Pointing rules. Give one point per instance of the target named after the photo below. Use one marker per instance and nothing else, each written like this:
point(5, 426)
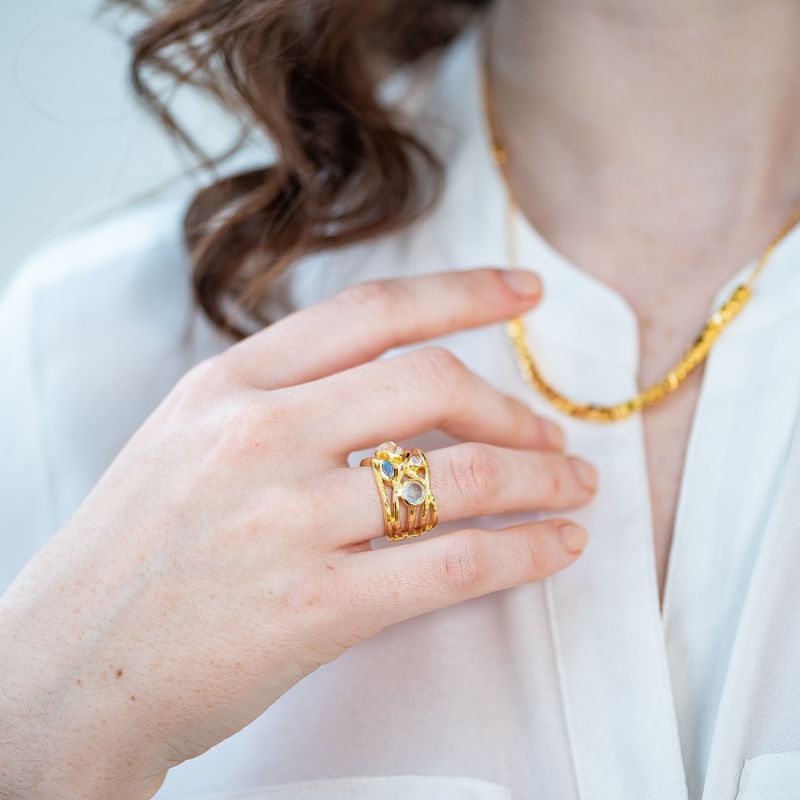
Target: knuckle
point(246, 429)
point(465, 563)
point(475, 475)
point(387, 301)
point(204, 382)
point(264, 421)
point(553, 479)
point(554, 482)
point(204, 373)
point(233, 427)
point(441, 371)
point(377, 293)
point(533, 559)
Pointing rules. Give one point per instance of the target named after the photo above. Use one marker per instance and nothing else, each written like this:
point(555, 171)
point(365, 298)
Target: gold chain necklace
point(696, 352)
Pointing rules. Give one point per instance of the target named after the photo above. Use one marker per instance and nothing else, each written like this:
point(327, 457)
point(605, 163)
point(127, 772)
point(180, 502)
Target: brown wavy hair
point(305, 73)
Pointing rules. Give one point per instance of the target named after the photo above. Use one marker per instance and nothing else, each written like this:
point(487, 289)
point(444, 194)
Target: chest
point(666, 430)
point(667, 317)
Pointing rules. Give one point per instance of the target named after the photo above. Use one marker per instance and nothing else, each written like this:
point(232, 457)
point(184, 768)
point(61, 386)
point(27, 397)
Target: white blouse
point(573, 687)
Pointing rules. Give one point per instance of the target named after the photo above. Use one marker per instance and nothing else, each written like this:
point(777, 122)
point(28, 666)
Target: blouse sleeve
point(25, 502)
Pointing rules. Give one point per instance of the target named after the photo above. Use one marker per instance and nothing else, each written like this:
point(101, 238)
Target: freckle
point(78, 682)
point(102, 722)
point(238, 665)
point(119, 673)
point(133, 697)
point(330, 567)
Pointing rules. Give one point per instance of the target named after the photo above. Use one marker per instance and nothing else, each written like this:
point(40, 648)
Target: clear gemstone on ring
point(391, 449)
point(413, 492)
point(416, 461)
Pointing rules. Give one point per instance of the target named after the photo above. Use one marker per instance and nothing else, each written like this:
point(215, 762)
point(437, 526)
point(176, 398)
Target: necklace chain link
point(695, 354)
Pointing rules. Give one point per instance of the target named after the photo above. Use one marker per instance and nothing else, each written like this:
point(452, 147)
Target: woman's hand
point(225, 554)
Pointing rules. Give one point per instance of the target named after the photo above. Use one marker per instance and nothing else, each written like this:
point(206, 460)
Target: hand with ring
point(226, 553)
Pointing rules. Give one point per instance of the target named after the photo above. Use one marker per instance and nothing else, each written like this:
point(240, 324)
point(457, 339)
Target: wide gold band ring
point(404, 482)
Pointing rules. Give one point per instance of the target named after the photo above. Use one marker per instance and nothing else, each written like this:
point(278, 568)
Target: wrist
point(55, 750)
point(27, 774)
point(65, 737)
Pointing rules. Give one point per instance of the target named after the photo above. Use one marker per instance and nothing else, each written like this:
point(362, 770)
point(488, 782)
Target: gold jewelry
point(695, 354)
point(403, 475)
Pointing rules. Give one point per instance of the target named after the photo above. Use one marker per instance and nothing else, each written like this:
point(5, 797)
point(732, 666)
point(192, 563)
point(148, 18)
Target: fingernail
point(522, 282)
point(553, 434)
point(573, 537)
point(585, 473)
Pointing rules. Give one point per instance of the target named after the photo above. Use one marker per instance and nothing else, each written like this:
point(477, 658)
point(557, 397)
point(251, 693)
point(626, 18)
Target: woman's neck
point(667, 116)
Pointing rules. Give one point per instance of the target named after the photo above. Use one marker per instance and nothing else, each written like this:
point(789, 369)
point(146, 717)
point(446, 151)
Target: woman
point(631, 162)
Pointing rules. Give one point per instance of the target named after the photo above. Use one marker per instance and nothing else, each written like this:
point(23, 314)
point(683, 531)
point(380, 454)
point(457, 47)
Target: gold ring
point(403, 476)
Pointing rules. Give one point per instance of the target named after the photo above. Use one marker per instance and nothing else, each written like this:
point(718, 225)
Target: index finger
point(362, 321)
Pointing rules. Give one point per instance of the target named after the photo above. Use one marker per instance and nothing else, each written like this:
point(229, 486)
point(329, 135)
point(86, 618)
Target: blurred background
point(74, 145)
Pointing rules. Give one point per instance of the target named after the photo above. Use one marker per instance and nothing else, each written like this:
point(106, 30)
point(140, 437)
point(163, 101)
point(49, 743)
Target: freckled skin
point(239, 531)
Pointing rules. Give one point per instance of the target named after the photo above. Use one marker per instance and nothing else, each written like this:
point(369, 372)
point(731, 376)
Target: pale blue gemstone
point(413, 492)
point(387, 468)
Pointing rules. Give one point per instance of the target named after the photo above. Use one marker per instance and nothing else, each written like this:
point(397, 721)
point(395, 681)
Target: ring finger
point(470, 480)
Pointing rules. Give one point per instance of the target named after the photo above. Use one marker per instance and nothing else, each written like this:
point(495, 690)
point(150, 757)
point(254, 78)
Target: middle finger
point(409, 394)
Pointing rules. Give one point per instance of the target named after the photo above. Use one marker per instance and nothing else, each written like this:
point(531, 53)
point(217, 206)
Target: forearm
point(64, 731)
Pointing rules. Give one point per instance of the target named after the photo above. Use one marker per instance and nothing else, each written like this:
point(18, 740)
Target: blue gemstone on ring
point(387, 468)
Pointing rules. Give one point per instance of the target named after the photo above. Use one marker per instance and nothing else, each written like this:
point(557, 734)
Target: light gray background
point(73, 143)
